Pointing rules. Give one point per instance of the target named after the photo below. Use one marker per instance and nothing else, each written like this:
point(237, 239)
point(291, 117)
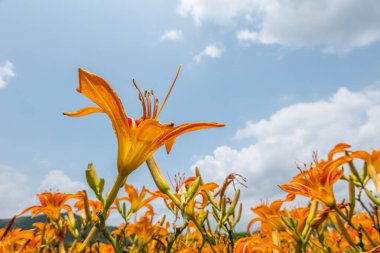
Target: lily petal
point(100, 92)
point(84, 111)
point(188, 127)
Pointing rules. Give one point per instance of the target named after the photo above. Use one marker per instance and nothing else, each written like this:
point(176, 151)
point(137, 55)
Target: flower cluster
point(324, 224)
point(200, 216)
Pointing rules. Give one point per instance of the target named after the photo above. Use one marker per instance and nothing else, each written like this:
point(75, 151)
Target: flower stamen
point(147, 97)
point(170, 90)
point(155, 107)
point(141, 98)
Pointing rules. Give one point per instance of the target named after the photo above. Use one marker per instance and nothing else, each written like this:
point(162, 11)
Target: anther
point(141, 98)
point(147, 97)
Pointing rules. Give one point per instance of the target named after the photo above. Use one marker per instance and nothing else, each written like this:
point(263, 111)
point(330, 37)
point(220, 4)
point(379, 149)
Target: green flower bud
point(193, 189)
point(158, 178)
point(92, 178)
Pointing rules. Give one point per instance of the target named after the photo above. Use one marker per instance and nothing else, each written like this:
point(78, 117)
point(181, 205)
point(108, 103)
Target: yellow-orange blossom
point(137, 139)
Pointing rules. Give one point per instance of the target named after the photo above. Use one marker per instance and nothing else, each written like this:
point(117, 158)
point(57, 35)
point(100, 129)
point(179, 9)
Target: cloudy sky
point(286, 77)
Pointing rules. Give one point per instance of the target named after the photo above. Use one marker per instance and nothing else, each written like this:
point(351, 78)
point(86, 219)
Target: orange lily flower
point(137, 200)
point(14, 240)
point(95, 248)
point(297, 216)
point(270, 215)
point(371, 236)
point(95, 206)
point(317, 182)
point(137, 139)
point(45, 230)
point(373, 163)
point(145, 231)
point(51, 205)
point(255, 244)
point(181, 191)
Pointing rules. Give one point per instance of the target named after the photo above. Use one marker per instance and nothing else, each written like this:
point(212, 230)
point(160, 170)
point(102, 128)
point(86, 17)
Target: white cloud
point(290, 135)
point(220, 11)
point(6, 73)
point(56, 180)
point(14, 191)
point(337, 25)
point(246, 35)
point(212, 51)
point(172, 35)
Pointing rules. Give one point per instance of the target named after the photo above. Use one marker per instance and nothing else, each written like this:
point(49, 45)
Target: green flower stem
point(342, 228)
point(339, 214)
point(112, 194)
point(72, 245)
point(109, 237)
point(203, 233)
point(87, 240)
point(119, 182)
point(312, 213)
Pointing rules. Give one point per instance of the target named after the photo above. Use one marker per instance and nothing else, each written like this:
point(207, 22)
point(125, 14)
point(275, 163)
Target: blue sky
point(287, 78)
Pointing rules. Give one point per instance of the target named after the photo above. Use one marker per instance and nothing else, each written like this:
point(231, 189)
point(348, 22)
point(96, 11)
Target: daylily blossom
point(144, 231)
point(94, 206)
point(373, 164)
point(51, 205)
point(137, 200)
point(14, 240)
point(317, 182)
point(255, 244)
point(270, 214)
point(181, 191)
point(139, 138)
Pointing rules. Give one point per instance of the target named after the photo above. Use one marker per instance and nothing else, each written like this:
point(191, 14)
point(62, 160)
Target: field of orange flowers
point(205, 213)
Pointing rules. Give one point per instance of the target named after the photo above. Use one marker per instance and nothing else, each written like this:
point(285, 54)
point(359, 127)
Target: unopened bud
point(92, 178)
point(198, 174)
point(234, 202)
point(101, 185)
point(158, 178)
point(223, 207)
point(193, 189)
point(72, 224)
point(232, 207)
point(351, 192)
point(239, 213)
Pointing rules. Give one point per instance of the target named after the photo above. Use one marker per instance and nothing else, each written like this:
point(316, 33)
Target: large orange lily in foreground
point(137, 139)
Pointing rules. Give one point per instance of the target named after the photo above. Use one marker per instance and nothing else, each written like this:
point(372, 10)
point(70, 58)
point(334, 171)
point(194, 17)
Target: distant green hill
point(26, 222)
point(23, 222)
